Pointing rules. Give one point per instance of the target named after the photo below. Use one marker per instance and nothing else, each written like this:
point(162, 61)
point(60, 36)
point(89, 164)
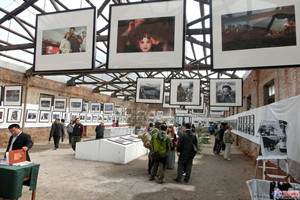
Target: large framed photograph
point(14, 115)
point(166, 103)
point(12, 96)
point(76, 104)
point(226, 92)
point(64, 44)
point(150, 90)
point(31, 116)
point(108, 108)
point(250, 34)
point(185, 92)
point(45, 116)
point(201, 106)
point(2, 113)
point(60, 104)
point(45, 103)
point(140, 32)
point(95, 107)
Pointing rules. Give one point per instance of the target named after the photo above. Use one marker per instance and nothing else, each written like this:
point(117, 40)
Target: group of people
point(72, 43)
point(162, 151)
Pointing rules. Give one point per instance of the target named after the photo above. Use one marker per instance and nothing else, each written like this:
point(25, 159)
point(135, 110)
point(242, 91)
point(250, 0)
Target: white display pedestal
point(109, 151)
point(118, 131)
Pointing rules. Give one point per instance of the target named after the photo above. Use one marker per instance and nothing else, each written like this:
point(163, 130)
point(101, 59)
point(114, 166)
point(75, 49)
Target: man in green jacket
point(161, 144)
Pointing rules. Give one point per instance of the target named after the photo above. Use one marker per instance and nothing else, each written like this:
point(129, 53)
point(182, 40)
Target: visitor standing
point(228, 140)
point(56, 131)
point(171, 156)
point(100, 131)
point(70, 130)
point(62, 121)
point(78, 132)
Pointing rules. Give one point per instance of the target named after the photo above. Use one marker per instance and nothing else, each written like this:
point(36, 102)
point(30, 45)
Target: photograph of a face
point(108, 107)
point(64, 40)
point(76, 104)
point(31, 116)
point(60, 104)
point(95, 107)
point(271, 27)
point(2, 112)
point(12, 95)
point(149, 90)
point(146, 35)
point(225, 92)
point(139, 32)
point(14, 115)
point(185, 92)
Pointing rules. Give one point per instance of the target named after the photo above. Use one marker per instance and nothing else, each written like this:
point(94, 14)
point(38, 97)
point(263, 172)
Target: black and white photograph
point(109, 118)
point(45, 116)
point(150, 90)
point(60, 104)
point(74, 116)
point(105, 118)
point(273, 137)
point(14, 115)
point(31, 116)
point(76, 104)
point(66, 117)
point(94, 118)
point(226, 92)
point(137, 34)
point(12, 96)
point(219, 108)
point(2, 113)
point(88, 118)
point(261, 29)
point(45, 103)
point(85, 107)
point(166, 102)
point(95, 107)
point(56, 115)
point(118, 111)
point(108, 107)
point(185, 92)
point(100, 118)
point(200, 107)
point(181, 110)
point(82, 117)
point(64, 44)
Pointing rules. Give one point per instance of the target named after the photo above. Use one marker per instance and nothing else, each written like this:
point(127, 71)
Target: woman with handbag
point(171, 156)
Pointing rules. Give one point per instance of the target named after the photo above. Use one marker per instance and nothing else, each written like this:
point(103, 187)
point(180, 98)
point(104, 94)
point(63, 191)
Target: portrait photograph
point(261, 29)
point(185, 92)
point(31, 116)
point(166, 102)
point(225, 92)
point(76, 104)
point(45, 103)
point(56, 115)
point(85, 106)
point(2, 112)
point(95, 107)
point(12, 96)
point(150, 90)
point(14, 115)
point(60, 104)
point(108, 107)
point(64, 44)
point(44, 116)
point(142, 31)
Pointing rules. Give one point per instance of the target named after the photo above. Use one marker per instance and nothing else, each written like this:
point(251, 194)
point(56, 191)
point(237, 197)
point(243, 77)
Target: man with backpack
point(161, 145)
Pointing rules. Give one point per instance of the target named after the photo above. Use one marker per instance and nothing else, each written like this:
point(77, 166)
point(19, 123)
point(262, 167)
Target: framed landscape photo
point(226, 92)
point(60, 104)
point(2, 113)
point(140, 32)
point(149, 90)
point(85, 107)
point(108, 108)
point(76, 104)
point(14, 115)
point(185, 92)
point(31, 116)
point(65, 44)
point(56, 115)
point(95, 107)
point(45, 116)
point(12, 96)
point(166, 102)
point(45, 103)
point(251, 33)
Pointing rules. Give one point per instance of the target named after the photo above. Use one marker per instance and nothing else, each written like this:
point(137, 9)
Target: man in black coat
point(100, 131)
point(57, 131)
point(186, 150)
point(19, 140)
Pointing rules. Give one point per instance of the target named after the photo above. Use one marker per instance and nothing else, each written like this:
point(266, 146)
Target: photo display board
point(150, 90)
point(147, 35)
point(249, 34)
point(65, 41)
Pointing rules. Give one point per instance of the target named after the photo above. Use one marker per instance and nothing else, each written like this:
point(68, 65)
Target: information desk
point(13, 177)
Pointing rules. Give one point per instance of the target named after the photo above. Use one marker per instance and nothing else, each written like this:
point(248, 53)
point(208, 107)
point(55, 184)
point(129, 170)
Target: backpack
point(146, 138)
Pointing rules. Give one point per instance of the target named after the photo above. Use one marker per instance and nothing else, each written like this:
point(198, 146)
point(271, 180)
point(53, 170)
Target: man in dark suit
point(19, 140)
point(57, 130)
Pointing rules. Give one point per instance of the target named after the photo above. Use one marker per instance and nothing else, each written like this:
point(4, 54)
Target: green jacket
point(227, 137)
point(162, 147)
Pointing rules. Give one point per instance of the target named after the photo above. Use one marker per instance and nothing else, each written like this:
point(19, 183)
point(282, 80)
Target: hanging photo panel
point(32, 116)
point(60, 104)
point(45, 103)
point(185, 92)
point(219, 108)
point(108, 107)
point(166, 103)
point(2, 113)
point(247, 34)
point(76, 104)
point(14, 115)
point(150, 90)
point(63, 43)
point(197, 107)
point(226, 92)
point(12, 96)
point(95, 107)
point(56, 115)
point(147, 35)
point(85, 107)
point(45, 116)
